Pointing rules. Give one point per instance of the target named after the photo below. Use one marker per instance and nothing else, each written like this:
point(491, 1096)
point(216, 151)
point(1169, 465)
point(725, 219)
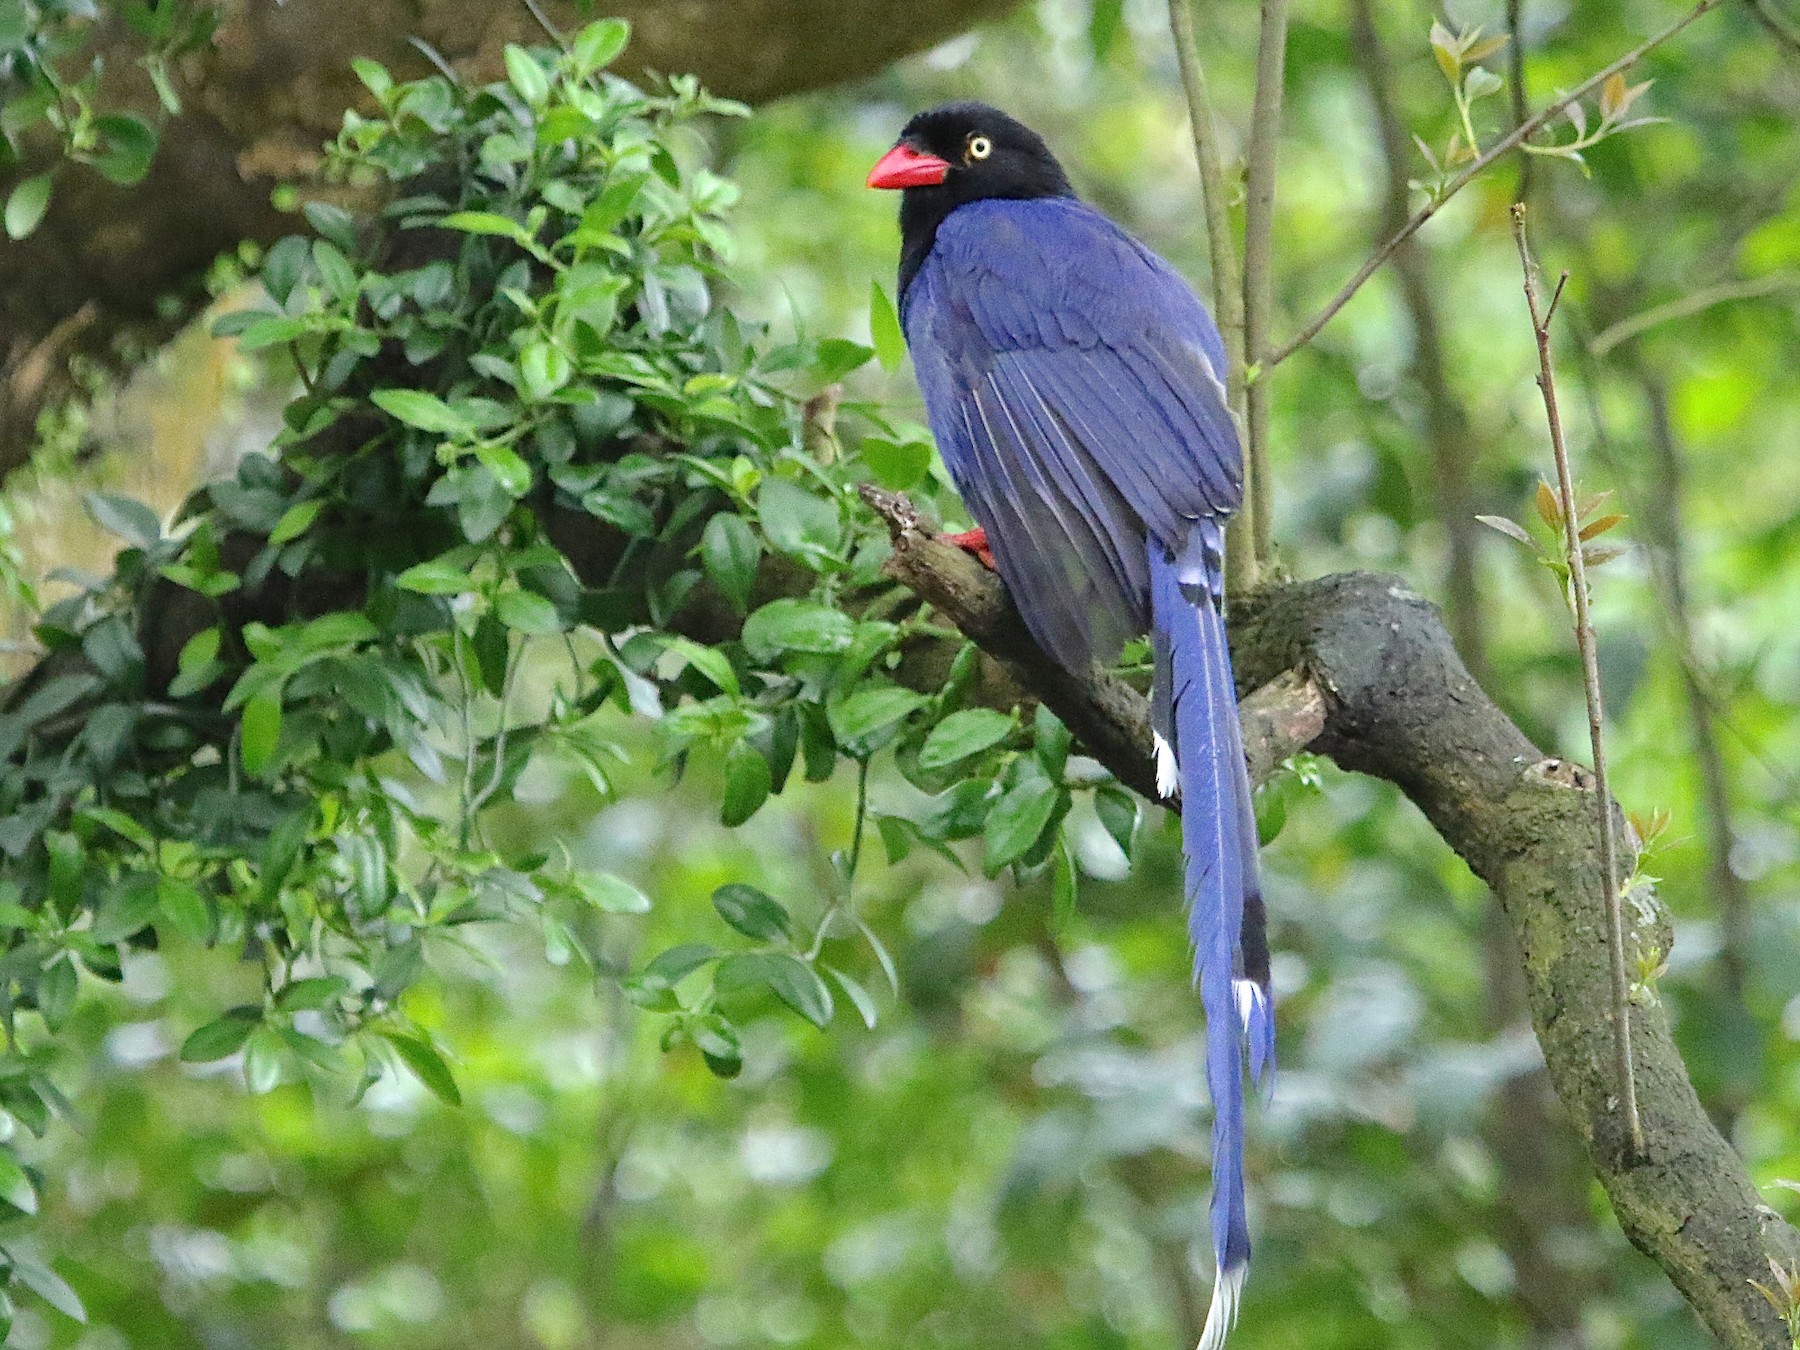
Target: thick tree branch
point(1400, 705)
point(275, 85)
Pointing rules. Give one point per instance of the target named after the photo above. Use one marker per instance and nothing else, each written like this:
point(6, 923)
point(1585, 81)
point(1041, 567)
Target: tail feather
point(1195, 711)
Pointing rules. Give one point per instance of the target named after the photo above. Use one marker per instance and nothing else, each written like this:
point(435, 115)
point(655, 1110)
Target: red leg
point(976, 542)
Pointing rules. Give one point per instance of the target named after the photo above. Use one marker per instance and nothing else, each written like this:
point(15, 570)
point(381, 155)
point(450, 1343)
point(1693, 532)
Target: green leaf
point(47, 1285)
point(747, 784)
point(296, 520)
point(15, 1185)
point(527, 76)
point(422, 1057)
point(718, 1043)
point(510, 472)
point(128, 907)
point(859, 996)
point(754, 913)
point(671, 967)
point(26, 204)
point(598, 45)
point(425, 411)
point(335, 270)
point(961, 812)
point(435, 577)
point(127, 145)
point(962, 735)
point(544, 368)
point(1064, 884)
point(374, 76)
point(487, 222)
point(528, 612)
point(709, 661)
point(1019, 817)
point(126, 517)
point(310, 995)
point(1271, 807)
point(263, 1055)
point(1480, 82)
point(68, 868)
point(897, 465)
point(221, 1037)
point(56, 991)
point(857, 720)
point(797, 522)
point(261, 731)
point(797, 626)
point(1118, 812)
point(884, 329)
point(119, 823)
point(838, 357)
point(185, 908)
point(611, 894)
point(731, 554)
point(897, 835)
point(791, 980)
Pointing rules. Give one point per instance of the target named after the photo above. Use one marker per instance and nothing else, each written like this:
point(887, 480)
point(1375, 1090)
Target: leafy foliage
point(528, 447)
point(40, 40)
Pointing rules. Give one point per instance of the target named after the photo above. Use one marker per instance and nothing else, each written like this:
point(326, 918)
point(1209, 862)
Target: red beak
point(905, 167)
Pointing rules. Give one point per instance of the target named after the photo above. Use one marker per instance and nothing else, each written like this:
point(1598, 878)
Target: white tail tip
point(1168, 775)
point(1221, 1317)
point(1250, 1001)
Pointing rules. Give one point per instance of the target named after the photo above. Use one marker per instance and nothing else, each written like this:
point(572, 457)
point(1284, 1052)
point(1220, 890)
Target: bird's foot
point(973, 541)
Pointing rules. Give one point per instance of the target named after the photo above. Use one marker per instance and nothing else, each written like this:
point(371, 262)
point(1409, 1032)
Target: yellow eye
point(980, 147)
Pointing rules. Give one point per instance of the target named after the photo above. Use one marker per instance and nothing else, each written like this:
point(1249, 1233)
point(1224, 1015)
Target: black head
point(960, 153)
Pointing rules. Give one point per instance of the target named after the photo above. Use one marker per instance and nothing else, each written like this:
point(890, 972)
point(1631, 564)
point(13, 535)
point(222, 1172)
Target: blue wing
point(1071, 379)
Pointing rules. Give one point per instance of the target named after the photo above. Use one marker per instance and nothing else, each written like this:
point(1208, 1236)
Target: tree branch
point(1399, 704)
point(1227, 275)
point(1585, 641)
point(1695, 302)
point(1449, 431)
point(1259, 266)
point(1505, 145)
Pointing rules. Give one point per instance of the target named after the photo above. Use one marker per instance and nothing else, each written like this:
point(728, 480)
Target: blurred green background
point(1015, 1155)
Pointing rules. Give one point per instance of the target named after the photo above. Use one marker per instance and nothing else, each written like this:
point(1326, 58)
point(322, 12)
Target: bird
point(1073, 383)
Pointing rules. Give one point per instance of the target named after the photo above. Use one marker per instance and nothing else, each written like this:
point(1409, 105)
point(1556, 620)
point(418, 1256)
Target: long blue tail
point(1200, 751)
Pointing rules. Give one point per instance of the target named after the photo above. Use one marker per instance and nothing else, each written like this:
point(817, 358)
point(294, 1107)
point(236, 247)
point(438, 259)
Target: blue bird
point(1074, 384)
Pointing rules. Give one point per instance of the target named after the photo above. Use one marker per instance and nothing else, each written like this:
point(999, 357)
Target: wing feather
point(1071, 380)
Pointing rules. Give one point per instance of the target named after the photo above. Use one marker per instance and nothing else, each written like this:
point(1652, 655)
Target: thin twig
point(1227, 275)
point(1505, 145)
point(543, 20)
point(1448, 426)
point(1259, 270)
point(1516, 92)
point(1660, 506)
point(1590, 671)
point(1778, 26)
point(1692, 303)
